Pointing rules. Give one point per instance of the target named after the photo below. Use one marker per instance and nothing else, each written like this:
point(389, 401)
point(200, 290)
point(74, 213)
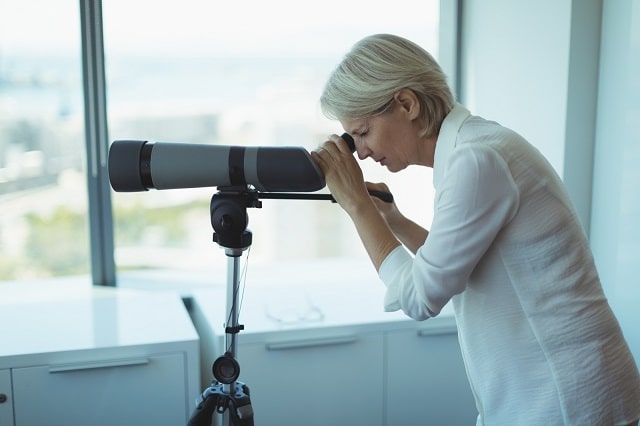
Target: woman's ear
point(408, 102)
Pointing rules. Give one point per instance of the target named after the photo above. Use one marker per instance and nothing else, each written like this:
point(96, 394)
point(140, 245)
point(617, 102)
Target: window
point(236, 74)
point(194, 71)
point(43, 231)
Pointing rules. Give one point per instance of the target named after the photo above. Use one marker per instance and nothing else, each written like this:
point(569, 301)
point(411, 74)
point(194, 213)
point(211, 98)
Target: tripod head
point(229, 212)
point(229, 217)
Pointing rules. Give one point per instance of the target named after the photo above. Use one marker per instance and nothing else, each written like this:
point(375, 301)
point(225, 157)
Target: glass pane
point(43, 224)
point(249, 74)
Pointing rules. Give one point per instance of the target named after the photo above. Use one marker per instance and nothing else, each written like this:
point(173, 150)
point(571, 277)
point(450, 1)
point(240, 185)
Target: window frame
point(103, 270)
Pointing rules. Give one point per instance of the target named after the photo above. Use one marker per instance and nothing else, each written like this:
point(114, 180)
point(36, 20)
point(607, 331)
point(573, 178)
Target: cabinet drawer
point(330, 379)
point(140, 391)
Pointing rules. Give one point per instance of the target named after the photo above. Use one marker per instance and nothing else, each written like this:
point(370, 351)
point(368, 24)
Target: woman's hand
point(342, 173)
point(389, 210)
point(408, 232)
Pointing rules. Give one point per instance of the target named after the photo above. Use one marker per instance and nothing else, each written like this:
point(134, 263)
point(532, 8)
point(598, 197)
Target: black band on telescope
point(145, 165)
point(236, 165)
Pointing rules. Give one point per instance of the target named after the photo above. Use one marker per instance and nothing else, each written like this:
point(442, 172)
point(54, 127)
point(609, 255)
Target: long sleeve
point(477, 197)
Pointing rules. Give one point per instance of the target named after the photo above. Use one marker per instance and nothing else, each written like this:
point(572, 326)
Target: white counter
point(44, 319)
point(303, 299)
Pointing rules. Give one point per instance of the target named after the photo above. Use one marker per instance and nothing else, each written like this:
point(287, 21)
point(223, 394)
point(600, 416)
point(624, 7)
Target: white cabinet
point(96, 356)
point(327, 354)
point(149, 390)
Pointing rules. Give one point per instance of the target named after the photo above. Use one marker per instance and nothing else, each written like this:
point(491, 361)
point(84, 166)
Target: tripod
point(227, 395)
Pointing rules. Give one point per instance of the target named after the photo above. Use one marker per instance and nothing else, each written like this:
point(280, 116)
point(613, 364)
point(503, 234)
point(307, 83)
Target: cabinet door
point(426, 380)
point(315, 381)
point(6, 401)
point(145, 391)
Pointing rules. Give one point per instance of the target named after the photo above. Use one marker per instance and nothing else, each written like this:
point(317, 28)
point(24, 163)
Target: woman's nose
point(362, 149)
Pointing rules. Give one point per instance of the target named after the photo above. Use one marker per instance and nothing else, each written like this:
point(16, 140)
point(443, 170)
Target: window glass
point(43, 223)
point(249, 74)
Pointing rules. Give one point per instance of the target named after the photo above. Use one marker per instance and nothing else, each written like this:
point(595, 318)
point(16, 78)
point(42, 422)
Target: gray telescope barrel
point(141, 165)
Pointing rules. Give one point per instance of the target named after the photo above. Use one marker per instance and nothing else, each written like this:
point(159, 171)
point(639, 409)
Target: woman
point(540, 342)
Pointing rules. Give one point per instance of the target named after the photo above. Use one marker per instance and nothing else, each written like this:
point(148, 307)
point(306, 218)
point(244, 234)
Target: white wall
point(515, 65)
point(564, 74)
point(615, 235)
point(532, 66)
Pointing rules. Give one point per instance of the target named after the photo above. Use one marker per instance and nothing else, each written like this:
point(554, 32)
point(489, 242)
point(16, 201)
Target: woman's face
point(388, 138)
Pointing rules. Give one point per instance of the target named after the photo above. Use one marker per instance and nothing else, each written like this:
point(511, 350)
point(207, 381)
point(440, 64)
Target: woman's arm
point(408, 232)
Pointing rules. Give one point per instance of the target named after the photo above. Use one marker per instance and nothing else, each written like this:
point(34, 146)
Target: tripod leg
point(240, 408)
point(203, 414)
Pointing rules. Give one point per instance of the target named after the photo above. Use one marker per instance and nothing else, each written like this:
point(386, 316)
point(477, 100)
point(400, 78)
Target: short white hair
point(375, 68)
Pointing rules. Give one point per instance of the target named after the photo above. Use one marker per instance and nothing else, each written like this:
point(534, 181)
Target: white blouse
point(540, 342)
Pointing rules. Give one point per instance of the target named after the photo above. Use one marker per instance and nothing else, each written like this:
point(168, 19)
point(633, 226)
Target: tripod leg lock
point(234, 330)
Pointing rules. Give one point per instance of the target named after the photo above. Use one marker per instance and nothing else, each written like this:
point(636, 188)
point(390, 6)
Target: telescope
point(141, 165)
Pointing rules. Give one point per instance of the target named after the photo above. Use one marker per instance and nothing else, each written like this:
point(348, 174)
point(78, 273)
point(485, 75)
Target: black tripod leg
point(203, 414)
point(240, 409)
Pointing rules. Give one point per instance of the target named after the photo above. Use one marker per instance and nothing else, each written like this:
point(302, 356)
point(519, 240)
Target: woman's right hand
point(407, 231)
point(388, 210)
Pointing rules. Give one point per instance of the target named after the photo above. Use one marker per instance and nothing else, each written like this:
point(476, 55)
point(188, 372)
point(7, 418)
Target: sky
point(232, 26)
